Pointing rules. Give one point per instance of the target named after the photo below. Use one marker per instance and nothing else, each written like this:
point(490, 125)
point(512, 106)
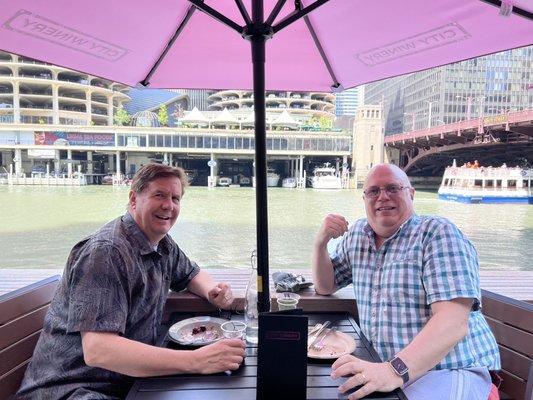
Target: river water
point(216, 227)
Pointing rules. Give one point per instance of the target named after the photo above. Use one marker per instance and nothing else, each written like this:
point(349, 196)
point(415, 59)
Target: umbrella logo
point(30, 24)
point(425, 41)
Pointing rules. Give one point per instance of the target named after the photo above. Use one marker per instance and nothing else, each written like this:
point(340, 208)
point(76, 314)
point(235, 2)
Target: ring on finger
point(364, 379)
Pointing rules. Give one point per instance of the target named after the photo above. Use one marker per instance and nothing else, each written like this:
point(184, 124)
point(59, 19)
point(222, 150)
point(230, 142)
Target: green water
point(216, 227)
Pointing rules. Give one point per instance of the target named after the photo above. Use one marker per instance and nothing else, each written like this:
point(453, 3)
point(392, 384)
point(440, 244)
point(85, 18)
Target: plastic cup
point(287, 301)
point(233, 330)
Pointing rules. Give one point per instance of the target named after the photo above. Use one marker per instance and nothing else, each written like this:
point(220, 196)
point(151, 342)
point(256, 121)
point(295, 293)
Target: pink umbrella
point(318, 45)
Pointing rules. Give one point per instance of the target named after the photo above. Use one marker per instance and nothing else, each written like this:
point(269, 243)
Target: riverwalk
point(515, 284)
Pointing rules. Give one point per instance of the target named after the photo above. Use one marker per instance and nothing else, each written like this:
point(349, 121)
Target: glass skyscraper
point(489, 85)
point(346, 102)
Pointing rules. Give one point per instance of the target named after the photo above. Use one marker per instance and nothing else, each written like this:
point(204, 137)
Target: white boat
point(244, 180)
point(289, 182)
point(487, 184)
point(224, 181)
point(272, 178)
point(326, 177)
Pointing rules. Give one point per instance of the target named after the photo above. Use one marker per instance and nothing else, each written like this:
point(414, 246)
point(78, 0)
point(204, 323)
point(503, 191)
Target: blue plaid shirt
point(427, 260)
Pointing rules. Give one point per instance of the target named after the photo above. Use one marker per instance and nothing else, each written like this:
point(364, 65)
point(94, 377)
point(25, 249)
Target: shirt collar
point(139, 238)
point(367, 229)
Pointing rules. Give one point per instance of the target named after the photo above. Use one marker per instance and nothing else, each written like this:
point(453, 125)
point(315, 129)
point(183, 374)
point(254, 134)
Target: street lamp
point(430, 103)
point(481, 100)
point(413, 115)
point(468, 105)
point(441, 122)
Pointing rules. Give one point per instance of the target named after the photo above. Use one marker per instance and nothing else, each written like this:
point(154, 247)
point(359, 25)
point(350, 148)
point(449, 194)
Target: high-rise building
point(346, 102)
point(489, 85)
point(32, 92)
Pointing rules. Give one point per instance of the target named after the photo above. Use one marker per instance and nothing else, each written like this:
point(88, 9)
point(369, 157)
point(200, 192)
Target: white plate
point(334, 346)
point(182, 332)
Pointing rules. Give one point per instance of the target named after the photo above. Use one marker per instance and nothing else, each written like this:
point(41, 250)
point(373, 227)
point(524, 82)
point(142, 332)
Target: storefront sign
point(74, 139)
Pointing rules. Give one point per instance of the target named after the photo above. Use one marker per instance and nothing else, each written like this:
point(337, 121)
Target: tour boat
point(326, 177)
point(487, 184)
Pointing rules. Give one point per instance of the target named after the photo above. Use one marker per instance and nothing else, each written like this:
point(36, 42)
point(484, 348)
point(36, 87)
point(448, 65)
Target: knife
point(326, 324)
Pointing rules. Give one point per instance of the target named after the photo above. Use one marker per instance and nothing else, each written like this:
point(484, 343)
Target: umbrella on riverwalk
point(305, 45)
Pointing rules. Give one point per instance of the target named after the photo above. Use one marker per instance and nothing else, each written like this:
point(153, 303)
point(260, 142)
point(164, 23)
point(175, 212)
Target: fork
point(319, 332)
point(319, 345)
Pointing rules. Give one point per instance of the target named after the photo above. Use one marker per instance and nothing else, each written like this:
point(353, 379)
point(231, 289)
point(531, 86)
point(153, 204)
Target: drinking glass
point(287, 301)
point(233, 330)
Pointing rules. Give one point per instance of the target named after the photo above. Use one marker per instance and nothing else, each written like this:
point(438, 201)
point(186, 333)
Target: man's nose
point(383, 192)
point(167, 203)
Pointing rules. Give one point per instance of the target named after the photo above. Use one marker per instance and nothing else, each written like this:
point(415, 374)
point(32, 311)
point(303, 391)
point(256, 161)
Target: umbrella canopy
point(284, 119)
point(302, 45)
point(194, 117)
point(363, 41)
point(225, 118)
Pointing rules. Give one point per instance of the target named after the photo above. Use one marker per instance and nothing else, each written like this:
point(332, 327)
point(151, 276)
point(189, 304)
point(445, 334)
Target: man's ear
point(132, 199)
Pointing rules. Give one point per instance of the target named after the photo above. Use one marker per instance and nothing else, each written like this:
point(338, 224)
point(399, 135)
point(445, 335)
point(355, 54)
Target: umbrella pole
point(258, 39)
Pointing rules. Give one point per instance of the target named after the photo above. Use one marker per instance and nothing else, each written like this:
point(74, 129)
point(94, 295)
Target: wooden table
point(241, 384)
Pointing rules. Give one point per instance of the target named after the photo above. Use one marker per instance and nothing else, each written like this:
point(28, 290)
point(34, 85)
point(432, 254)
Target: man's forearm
point(322, 270)
point(440, 335)
point(132, 358)
point(201, 284)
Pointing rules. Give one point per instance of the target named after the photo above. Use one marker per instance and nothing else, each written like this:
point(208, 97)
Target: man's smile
point(385, 208)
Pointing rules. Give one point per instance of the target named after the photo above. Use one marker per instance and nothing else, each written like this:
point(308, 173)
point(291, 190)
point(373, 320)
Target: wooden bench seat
point(22, 314)
point(21, 321)
point(511, 322)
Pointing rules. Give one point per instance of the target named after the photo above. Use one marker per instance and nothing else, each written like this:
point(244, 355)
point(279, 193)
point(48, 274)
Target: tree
point(323, 122)
point(121, 116)
point(326, 123)
point(162, 115)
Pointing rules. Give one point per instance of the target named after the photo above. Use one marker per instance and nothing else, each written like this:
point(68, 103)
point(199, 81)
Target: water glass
point(287, 301)
point(234, 330)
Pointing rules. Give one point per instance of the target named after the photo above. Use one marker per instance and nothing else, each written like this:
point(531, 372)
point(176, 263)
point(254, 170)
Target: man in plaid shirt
point(416, 283)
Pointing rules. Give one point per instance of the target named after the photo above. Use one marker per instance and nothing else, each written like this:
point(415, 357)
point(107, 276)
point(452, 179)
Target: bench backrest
point(21, 321)
point(511, 322)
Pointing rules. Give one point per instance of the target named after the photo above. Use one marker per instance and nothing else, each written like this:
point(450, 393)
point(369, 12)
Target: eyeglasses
point(374, 191)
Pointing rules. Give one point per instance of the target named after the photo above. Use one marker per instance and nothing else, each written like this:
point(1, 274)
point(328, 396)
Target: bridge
point(492, 140)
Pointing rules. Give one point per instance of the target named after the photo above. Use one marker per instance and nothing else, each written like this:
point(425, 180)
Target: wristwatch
point(399, 367)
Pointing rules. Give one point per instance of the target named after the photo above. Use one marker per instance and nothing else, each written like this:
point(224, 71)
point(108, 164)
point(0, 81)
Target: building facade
point(32, 92)
point(490, 85)
point(346, 102)
point(302, 106)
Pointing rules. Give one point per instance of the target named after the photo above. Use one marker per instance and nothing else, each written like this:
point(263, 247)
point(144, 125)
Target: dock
point(515, 284)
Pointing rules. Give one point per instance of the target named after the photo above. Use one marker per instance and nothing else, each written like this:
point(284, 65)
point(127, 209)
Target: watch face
point(399, 366)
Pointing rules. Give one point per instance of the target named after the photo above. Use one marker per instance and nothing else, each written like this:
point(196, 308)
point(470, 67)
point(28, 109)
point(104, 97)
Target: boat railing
point(484, 172)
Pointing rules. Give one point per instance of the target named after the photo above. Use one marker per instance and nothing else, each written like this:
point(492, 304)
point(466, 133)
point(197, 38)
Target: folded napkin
point(287, 282)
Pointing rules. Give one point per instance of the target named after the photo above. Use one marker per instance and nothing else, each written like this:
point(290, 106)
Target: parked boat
point(326, 177)
point(244, 180)
point(272, 178)
point(224, 181)
point(487, 184)
point(289, 182)
point(107, 180)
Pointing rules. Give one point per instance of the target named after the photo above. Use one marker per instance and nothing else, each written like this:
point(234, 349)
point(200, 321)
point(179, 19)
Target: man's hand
point(334, 225)
point(226, 354)
point(372, 377)
point(221, 295)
